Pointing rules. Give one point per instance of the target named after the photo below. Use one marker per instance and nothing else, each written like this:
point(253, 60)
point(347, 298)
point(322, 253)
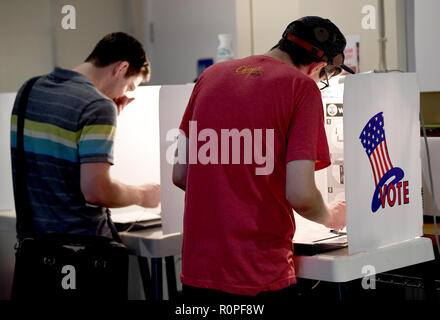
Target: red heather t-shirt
point(238, 226)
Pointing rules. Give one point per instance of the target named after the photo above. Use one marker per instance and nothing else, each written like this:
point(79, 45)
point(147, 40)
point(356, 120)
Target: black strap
point(22, 205)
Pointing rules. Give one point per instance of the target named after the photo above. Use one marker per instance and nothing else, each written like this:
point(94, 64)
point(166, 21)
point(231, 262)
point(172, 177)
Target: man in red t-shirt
point(254, 135)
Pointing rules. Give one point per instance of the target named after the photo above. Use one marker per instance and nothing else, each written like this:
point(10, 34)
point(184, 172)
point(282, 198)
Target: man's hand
point(149, 195)
point(100, 189)
point(122, 102)
point(337, 215)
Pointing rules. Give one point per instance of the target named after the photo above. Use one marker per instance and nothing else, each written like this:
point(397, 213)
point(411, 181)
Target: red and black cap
point(321, 38)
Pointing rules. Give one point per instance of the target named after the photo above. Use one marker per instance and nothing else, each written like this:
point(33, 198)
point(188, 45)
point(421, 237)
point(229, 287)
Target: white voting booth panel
point(136, 148)
point(6, 193)
point(7, 226)
point(142, 140)
point(382, 160)
point(145, 146)
point(332, 99)
point(145, 143)
point(329, 181)
point(172, 104)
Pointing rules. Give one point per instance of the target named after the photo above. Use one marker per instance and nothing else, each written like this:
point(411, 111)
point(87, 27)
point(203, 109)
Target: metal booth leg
point(171, 278)
point(156, 273)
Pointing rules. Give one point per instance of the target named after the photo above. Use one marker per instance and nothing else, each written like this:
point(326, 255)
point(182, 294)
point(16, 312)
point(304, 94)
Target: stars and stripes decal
point(374, 142)
point(388, 179)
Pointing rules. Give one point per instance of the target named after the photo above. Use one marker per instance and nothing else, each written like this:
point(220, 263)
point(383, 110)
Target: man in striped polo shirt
point(69, 133)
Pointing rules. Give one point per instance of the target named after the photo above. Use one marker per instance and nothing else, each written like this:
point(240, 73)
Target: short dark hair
point(299, 56)
point(314, 39)
point(119, 46)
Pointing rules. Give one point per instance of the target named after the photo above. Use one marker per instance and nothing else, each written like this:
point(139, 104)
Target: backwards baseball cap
point(321, 38)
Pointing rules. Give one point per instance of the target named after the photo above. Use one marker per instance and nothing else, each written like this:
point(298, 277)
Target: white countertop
point(339, 266)
point(333, 266)
point(151, 242)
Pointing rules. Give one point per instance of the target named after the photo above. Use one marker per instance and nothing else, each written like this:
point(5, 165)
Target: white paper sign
point(332, 99)
point(351, 52)
point(382, 159)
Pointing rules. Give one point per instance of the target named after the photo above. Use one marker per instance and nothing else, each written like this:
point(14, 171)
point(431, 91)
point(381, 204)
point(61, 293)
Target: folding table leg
point(429, 280)
point(156, 272)
point(171, 278)
point(145, 275)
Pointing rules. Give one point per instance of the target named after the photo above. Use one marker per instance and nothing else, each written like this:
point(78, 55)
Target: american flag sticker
point(373, 140)
point(387, 191)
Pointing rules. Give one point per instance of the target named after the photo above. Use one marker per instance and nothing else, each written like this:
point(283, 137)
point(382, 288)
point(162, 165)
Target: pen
point(338, 232)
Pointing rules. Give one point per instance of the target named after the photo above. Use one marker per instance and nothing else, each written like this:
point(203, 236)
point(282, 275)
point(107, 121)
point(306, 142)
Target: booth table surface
point(339, 266)
point(333, 266)
point(152, 243)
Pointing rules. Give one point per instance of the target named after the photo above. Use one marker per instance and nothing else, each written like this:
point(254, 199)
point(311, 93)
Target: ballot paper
point(313, 238)
point(309, 232)
point(134, 218)
point(134, 215)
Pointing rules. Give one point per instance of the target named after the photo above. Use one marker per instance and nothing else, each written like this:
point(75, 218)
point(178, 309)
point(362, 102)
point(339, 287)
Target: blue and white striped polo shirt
point(68, 122)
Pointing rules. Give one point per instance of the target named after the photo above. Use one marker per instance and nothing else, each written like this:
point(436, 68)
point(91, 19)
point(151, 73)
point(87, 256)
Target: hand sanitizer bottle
point(224, 50)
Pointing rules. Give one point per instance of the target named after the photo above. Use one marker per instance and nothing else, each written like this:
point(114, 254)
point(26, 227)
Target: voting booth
point(373, 131)
point(382, 159)
point(372, 126)
point(145, 143)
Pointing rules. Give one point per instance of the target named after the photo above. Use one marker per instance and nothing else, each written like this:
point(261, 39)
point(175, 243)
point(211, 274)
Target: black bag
point(69, 266)
point(61, 265)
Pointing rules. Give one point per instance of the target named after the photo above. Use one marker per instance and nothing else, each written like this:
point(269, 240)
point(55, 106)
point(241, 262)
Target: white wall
point(270, 18)
point(33, 41)
point(94, 19)
point(183, 31)
point(25, 48)
point(427, 45)
point(243, 18)
point(178, 33)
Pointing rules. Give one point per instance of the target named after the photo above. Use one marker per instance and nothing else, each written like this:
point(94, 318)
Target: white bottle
point(224, 49)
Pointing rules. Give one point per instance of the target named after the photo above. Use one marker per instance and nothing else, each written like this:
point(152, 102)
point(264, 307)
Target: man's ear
point(315, 68)
point(120, 68)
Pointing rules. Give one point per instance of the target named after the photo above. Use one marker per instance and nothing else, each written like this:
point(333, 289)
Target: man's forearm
point(121, 195)
point(314, 209)
point(114, 194)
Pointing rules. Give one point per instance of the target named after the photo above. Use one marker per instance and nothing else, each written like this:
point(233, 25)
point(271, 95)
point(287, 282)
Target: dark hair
point(299, 56)
point(119, 46)
point(314, 39)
